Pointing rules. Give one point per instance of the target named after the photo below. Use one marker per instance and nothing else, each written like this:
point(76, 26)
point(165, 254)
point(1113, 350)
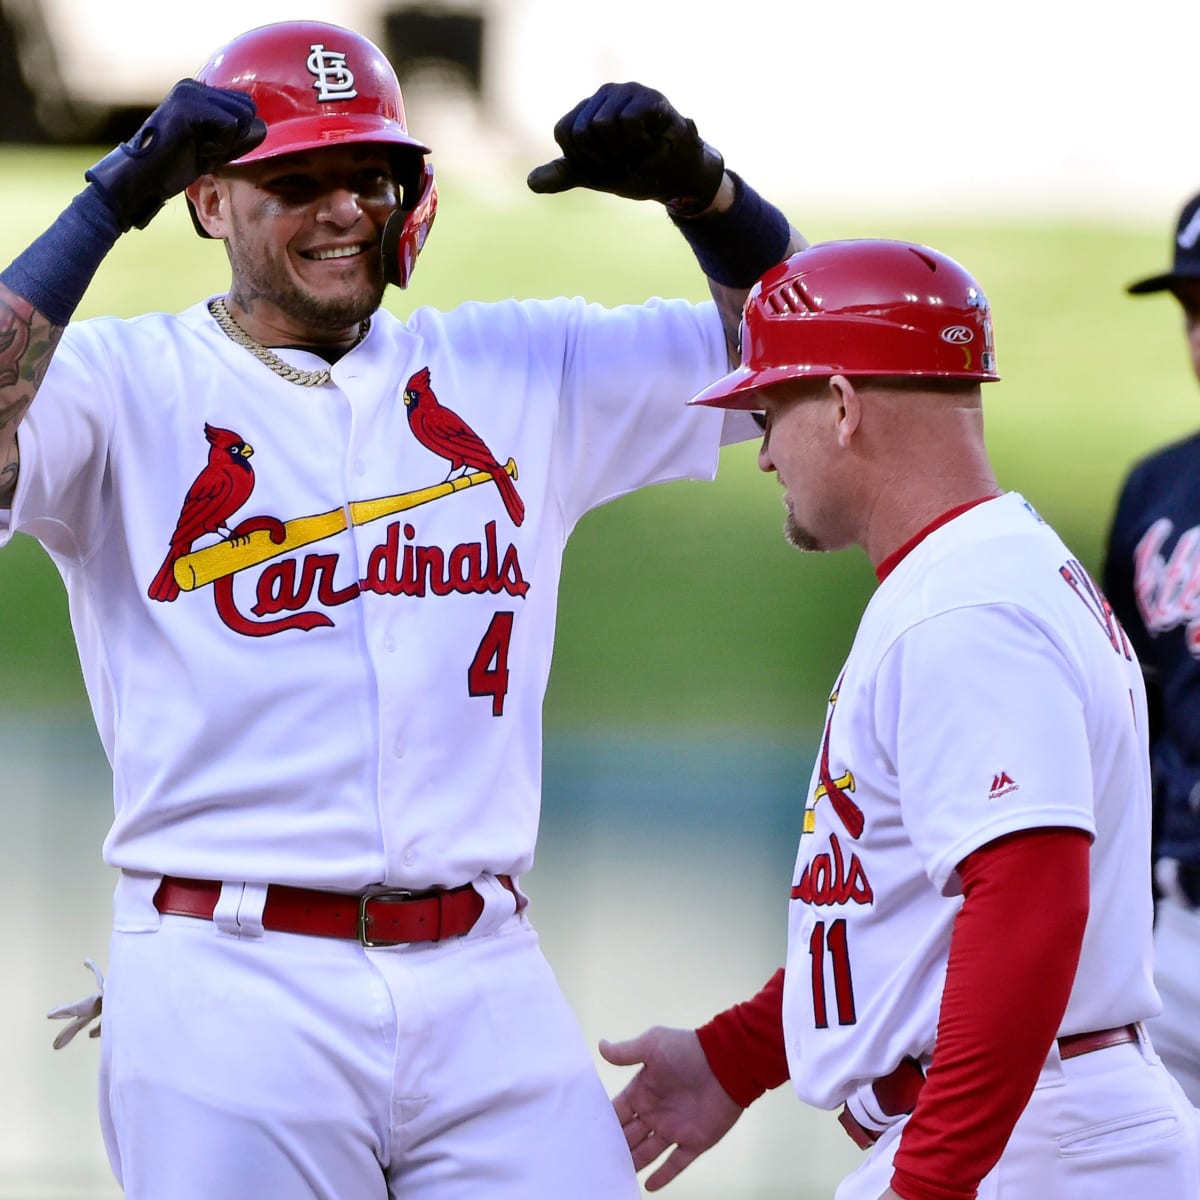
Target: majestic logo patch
point(1002, 784)
point(334, 80)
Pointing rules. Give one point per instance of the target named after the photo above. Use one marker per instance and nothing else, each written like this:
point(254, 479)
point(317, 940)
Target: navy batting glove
point(196, 129)
point(628, 140)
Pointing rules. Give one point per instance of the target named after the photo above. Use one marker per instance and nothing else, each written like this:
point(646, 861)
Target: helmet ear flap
point(405, 231)
point(408, 170)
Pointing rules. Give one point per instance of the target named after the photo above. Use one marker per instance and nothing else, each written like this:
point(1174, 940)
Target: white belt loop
point(250, 910)
point(225, 915)
point(133, 902)
point(1052, 1074)
point(864, 1108)
point(1145, 1045)
point(498, 904)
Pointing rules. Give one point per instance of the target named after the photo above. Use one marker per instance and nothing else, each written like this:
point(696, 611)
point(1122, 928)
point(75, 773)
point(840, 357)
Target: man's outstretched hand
point(674, 1103)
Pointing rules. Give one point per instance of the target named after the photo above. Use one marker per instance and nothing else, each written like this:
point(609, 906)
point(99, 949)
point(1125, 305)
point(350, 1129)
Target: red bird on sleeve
point(445, 433)
point(216, 494)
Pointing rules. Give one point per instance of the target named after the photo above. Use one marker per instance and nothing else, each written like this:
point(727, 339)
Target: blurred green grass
point(682, 606)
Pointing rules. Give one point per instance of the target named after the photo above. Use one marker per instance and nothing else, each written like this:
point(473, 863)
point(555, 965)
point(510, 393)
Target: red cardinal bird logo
point(218, 492)
point(445, 433)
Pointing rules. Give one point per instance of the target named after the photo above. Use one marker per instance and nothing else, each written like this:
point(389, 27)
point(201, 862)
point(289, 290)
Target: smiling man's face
point(303, 236)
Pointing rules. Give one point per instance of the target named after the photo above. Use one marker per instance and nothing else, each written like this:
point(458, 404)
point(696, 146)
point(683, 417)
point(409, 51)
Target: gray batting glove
point(82, 1013)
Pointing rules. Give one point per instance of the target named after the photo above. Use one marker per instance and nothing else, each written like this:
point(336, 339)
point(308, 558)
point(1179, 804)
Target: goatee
point(798, 536)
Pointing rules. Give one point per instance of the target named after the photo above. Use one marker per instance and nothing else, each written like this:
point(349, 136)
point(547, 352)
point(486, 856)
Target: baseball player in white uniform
point(969, 962)
point(312, 553)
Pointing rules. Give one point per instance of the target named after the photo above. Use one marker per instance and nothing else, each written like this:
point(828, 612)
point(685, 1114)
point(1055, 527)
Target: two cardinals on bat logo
point(227, 481)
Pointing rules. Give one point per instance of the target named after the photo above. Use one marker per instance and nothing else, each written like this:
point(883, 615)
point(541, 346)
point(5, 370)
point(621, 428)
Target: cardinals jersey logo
point(837, 790)
point(220, 489)
point(285, 574)
point(447, 435)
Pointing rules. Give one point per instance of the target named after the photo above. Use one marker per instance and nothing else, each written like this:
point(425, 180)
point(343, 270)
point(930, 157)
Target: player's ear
point(847, 409)
point(208, 198)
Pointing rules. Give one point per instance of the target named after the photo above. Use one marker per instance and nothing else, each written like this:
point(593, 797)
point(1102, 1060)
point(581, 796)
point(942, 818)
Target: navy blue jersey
point(1152, 579)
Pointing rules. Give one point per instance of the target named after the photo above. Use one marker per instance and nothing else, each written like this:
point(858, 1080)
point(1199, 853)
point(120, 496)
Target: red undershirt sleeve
point(744, 1045)
point(1013, 956)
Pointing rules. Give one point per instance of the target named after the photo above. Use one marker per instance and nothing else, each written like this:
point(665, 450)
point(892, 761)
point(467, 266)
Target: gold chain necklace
point(269, 358)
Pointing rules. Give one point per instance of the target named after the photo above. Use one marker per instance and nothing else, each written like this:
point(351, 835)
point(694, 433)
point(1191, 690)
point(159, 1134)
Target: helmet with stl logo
point(318, 85)
point(863, 307)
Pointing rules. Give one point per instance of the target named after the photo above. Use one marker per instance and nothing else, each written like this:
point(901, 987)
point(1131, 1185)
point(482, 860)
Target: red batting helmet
point(320, 85)
point(855, 308)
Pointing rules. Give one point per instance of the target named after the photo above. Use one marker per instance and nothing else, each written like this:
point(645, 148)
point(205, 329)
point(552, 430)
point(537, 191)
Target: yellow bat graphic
point(214, 562)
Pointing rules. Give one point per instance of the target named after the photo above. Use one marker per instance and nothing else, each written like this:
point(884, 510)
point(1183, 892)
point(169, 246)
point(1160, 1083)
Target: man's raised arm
point(194, 130)
point(628, 140)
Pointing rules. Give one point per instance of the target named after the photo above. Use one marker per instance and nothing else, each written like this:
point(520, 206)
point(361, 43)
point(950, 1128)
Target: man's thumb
point(554, 176)
point(623, 1054)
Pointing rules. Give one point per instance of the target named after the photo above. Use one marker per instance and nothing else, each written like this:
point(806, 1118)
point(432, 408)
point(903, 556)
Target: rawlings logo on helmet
point(956, 335)
point(334, 80)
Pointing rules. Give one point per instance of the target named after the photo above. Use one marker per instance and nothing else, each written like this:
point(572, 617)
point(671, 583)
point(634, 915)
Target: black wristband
point(54, 272)
point(735, 247)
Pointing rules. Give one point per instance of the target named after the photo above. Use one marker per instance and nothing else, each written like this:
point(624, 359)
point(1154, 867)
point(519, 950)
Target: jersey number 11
point(843, 984)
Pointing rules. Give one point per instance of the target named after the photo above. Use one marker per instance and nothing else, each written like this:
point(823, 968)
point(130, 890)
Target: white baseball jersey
point(989, 689)
point(349, 692)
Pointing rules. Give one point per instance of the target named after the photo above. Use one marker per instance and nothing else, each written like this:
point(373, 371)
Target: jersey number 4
point(833, 940)
point(488, 673)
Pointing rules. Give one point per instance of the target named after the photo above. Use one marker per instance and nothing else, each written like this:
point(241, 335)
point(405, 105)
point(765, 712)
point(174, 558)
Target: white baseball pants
point(1109, 1125)
point(304, 1068)
point(1176, 1032)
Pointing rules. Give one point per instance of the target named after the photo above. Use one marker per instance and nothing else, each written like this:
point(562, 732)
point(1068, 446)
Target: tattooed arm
point(27, 342)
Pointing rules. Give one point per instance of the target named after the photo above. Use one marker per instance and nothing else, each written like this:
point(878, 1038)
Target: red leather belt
point(896, 1094)
point(386, 918)
point(1075, 1044)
